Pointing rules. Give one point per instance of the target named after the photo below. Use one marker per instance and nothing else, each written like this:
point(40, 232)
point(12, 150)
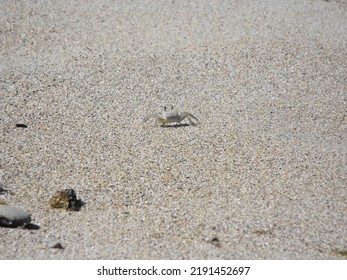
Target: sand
point(263, 176)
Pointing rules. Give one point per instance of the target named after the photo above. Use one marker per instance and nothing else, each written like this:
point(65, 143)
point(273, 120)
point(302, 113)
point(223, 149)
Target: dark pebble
point(21, 125)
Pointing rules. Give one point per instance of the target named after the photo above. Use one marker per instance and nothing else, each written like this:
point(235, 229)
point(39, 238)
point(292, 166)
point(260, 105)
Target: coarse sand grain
point(263, 176)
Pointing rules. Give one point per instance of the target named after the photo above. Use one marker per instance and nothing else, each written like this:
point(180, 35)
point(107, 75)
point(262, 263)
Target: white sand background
point(262, 177)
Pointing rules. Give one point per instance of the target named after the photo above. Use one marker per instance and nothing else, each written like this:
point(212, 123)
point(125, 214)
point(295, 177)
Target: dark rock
point(67, 200)
point(13, 216)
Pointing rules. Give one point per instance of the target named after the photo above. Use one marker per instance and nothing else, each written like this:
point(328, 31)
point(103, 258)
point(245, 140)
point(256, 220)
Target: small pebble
point(215, 241)
point(13, 217)
point(57, 246)
point(2, 189)
point(342, 252)
point(22, 125)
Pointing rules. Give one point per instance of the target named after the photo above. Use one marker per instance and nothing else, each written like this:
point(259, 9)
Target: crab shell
point(172, 117)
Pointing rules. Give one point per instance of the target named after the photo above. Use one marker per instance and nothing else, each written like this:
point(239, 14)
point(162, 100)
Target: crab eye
point(165, 108)
point(171, 106)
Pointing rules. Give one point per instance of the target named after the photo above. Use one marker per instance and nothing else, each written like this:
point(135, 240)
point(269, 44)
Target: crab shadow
point(176, 125)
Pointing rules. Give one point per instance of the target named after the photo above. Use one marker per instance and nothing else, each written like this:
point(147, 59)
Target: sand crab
point(172, 117)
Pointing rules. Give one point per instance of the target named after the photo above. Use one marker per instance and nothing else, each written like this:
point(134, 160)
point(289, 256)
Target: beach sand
point(263, 176)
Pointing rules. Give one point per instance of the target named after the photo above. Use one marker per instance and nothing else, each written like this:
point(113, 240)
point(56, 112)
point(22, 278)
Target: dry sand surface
point(263, 176)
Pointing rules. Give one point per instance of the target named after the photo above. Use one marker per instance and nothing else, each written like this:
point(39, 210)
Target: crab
point(172, 116)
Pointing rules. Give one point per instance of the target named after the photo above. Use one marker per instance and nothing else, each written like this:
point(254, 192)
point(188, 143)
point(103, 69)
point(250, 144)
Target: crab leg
point(148, 117)
point(189, 116)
